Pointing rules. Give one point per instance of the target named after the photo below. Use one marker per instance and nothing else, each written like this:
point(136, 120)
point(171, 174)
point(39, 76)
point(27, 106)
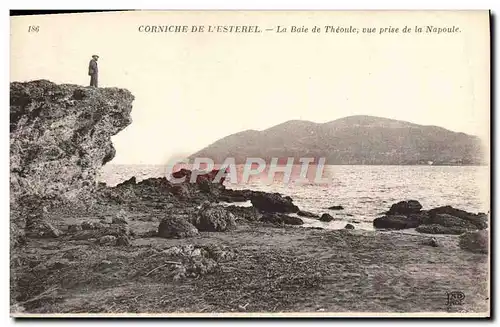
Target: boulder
point(326, 217)
point(204, 185)
point(349, 226)
point(281, 219)
point(438, 229)
point(422, 217)
point(395, 222)
point(479, 220)
point(214, 218)
point(336, 208)
point(176, 227)
point(447, 220)
point(307, 214)
point(273, 202)
point(181, 191)
point(476, 241)
point(405, 208)
point(247, 213)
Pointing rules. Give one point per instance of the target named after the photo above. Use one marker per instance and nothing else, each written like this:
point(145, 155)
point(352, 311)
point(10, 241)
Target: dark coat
point(93, 69)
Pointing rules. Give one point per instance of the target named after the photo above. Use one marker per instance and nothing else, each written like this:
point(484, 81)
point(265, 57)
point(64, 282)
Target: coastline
point(255, 266)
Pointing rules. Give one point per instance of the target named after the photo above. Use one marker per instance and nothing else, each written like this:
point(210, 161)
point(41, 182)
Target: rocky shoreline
point(78, 246)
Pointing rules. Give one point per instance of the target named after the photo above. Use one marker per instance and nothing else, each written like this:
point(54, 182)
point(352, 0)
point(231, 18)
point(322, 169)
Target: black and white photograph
point(210, 163)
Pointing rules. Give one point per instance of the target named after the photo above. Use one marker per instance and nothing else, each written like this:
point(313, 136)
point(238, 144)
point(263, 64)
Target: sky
point(192, 89)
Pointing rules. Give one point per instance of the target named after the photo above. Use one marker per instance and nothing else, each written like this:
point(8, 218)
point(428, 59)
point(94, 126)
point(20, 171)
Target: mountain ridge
point(359, 139)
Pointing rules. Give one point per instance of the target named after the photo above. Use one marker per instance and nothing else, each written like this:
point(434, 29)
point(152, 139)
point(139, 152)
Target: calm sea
point(364, 191)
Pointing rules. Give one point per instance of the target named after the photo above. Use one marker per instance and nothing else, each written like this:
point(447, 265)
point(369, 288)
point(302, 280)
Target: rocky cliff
point(60, 136)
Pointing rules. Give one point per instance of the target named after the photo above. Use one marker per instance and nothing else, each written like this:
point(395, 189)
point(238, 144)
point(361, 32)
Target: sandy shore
point(267, 269)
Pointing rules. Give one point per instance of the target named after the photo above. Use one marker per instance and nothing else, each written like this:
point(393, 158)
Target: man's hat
point(95, 56)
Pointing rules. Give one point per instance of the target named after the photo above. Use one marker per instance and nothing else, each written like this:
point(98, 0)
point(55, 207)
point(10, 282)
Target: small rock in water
point(395, 222)
point(405, 207)
point(273, 202)
point(326, 217)
point(336, 208)
point(307, 214)
point(349, 226)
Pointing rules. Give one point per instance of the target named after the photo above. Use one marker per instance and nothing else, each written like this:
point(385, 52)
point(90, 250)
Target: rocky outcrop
point(214, 218)
point(475, 241)
point(447, 220)
point(60, 136)
point(281, 219)
point(349, 226)
point(439, 229)
point(402, 215)
point(396, 222)
point(273, 202)
point(246, 213)
point(326, 217)
point(480, 220)
point(176, 227)
point(405, 208)
point(441, 220)
point(102, 230)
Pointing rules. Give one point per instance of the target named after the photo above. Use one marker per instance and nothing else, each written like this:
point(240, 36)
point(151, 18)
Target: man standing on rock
point(93, 70)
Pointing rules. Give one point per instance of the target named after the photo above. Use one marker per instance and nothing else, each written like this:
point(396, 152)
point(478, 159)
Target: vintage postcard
point(250, 163)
